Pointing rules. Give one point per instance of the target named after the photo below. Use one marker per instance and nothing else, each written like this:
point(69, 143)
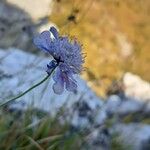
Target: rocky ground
point(125, 115)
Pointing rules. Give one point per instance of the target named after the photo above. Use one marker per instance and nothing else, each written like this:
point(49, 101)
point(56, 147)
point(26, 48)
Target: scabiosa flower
point(67, 57)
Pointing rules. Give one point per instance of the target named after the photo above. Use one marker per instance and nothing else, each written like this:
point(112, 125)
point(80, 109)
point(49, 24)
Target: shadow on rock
point(16, 27)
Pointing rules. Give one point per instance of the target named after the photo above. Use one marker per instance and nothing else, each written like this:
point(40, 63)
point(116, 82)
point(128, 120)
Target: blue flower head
point(67, 56)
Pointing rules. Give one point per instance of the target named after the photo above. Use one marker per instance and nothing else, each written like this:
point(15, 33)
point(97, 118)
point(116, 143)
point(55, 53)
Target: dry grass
point(115, 36)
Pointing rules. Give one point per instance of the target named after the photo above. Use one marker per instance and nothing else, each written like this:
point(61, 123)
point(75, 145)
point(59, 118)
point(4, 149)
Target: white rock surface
point(112, 104)
point(115, 105)
point(36, 8)
point(20, 70)
point(136, 87)
point(137, 136)
point(130, 106)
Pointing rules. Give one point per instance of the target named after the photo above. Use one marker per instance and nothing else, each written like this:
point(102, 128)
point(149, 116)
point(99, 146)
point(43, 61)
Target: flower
point(67, 56)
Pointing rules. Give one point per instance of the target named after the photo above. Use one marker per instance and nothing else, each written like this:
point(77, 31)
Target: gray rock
point(83, 110)
point(123, 106)
point(130, 106)
point(16, 27)
point(20, 70)
point(112, 104)
point(147, 108)
point(99, 139)
point(136, 136)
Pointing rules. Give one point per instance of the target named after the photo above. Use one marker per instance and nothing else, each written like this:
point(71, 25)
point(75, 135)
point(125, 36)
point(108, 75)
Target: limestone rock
point(36, 9)
point(136, 136)
point(20, 70)
point(136, 87)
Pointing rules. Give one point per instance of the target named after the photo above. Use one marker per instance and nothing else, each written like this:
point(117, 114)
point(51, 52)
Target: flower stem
point(28, 90)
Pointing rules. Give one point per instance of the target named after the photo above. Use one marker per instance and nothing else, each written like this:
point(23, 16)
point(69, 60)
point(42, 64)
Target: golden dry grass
point(114, 34)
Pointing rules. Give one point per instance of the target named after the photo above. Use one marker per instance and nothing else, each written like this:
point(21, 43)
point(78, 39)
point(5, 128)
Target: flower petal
point(57, 74)
point(58, 86)
point(71, 85)
point(54, 32)
point(43, 41)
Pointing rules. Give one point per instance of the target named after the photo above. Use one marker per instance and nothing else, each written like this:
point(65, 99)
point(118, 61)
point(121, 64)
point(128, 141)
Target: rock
point(112, 104)
point(130, 106)
point(136, 136)
point(147, 109)
point(83, 110)
point(29, 69)
point(16, 27)
point(87, 113)
point(10, 13)
point(136, 87)
point(121, 106)
point(36, 9)
point(99, 139)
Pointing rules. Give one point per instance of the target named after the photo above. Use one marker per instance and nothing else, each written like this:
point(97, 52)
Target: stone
point(135, 87)
point(112, 104)
point(136, 136)
point(130, 106)
point(83, 110)
point(28, 69)
point(36, 9)
point(19, 23)
point(16, 27)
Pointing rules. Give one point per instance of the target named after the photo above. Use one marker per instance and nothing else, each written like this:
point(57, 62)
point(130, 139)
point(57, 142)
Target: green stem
point(28, 90)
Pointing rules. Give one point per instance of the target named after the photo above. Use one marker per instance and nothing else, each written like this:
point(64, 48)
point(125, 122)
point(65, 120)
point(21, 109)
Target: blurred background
point(115, 35)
